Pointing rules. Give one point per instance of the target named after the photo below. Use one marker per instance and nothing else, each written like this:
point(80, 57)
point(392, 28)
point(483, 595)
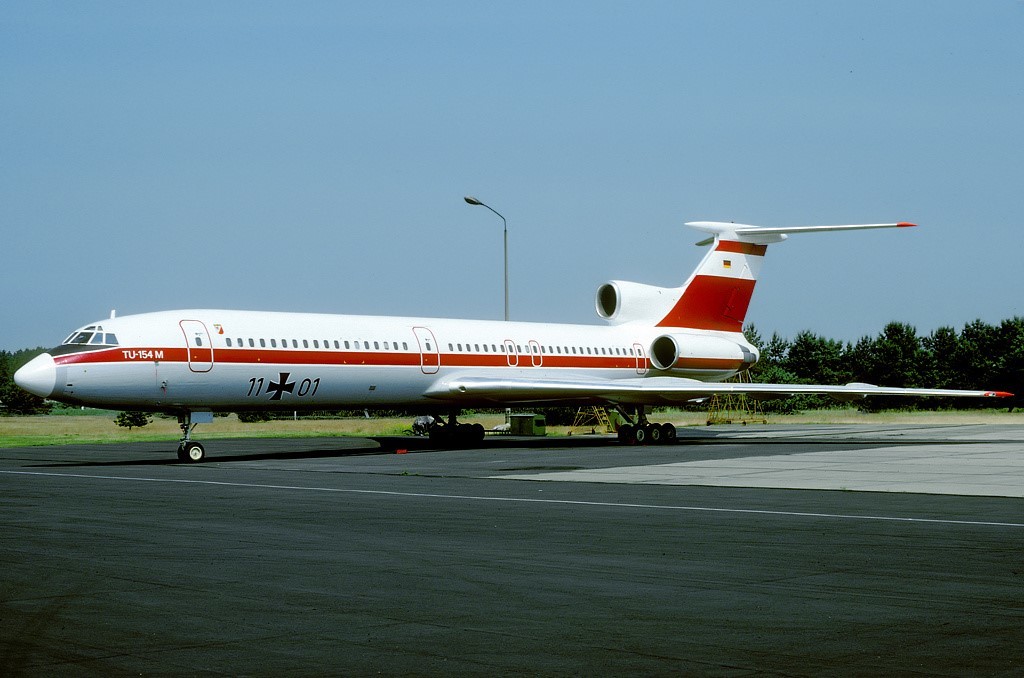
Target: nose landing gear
point(190, 451)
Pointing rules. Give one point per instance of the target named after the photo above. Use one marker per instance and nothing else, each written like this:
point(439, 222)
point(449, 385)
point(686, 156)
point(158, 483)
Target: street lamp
point(473, 201)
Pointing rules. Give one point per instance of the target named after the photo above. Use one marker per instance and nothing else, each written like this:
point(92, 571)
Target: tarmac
point(810, 550)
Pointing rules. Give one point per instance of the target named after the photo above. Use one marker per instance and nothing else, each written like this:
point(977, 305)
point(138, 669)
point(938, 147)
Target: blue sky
point(314, 156)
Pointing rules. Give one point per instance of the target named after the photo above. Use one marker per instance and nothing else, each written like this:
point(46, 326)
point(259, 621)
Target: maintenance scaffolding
point(735, 408)
point(596, 418)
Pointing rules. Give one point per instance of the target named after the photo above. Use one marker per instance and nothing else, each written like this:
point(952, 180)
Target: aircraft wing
point(658, 390)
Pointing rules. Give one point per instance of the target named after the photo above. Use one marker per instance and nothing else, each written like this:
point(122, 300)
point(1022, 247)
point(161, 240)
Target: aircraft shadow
point(220, 451)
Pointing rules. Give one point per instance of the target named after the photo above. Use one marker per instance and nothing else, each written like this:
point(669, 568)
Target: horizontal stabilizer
point(772, 234)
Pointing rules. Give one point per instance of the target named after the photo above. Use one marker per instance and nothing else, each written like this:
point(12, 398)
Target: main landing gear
point(189, 450)
point(455, 434)
point(643, 432)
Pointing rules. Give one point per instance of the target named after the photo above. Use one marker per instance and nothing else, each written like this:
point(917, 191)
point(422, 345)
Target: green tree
point(895, 358)
point(940, 350)
point(132, 419)
point(769, 370)
point(976, 360)
point(938, 370)
point(1011, 366)
point(816, 360)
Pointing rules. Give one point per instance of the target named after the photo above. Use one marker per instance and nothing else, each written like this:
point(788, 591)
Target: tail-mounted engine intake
point(698, 351)
point(621, 301)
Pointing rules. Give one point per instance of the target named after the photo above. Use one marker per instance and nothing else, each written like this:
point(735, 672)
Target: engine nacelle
point(700, 352)
point(621, 301)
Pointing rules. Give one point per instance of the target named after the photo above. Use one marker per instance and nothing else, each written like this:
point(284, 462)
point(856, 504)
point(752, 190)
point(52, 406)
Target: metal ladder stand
point(593, 417)
point(728, 408)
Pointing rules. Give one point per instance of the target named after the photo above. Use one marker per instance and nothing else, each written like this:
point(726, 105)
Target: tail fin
point(718, 293)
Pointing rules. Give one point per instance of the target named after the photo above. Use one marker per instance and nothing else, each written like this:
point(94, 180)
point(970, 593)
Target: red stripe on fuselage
point(255, 356)
point(125, 355)
point(741, 248)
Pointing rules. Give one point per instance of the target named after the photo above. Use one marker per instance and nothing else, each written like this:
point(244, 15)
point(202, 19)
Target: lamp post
point(473, 201)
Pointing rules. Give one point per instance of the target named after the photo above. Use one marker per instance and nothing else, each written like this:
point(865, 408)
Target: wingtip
point(905, 224)
point(999, 394)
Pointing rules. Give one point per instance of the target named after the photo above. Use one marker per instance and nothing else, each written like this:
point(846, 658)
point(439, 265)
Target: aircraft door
point(641, 359)
point(430, 354)
point(511, 353)
point(197, 345)
point(536, 356)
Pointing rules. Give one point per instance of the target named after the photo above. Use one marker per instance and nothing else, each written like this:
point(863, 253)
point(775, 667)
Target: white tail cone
point(38, 376)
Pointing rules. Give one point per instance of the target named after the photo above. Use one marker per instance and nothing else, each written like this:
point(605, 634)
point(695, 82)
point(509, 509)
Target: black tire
point(654, 434)
point(438, 435)
point(640, 435)
point(192, 452)
point(668, 433)
point(625, 433)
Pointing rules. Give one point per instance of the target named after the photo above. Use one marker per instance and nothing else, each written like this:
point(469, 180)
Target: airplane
point(659, 346)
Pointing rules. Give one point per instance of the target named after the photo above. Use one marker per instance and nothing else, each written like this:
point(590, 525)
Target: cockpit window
point(93, 335)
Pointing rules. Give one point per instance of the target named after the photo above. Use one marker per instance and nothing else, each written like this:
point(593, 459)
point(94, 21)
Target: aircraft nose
point(38, 376)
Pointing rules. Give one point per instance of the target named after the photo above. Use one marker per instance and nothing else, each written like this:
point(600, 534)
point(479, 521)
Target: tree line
point(981, 356)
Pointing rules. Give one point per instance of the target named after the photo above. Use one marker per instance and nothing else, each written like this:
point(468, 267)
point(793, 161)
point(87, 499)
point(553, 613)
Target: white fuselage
point(242, 360)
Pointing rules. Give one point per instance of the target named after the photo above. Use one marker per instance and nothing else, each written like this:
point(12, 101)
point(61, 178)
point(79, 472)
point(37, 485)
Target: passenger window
point(305, 343)
point(316, 343)
point(199, 341)
point(405, 346)
point(263, 343)
point(273, 343)
point(366, 345)
point(228, 342)
point(252, 343)
point(347, 345)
